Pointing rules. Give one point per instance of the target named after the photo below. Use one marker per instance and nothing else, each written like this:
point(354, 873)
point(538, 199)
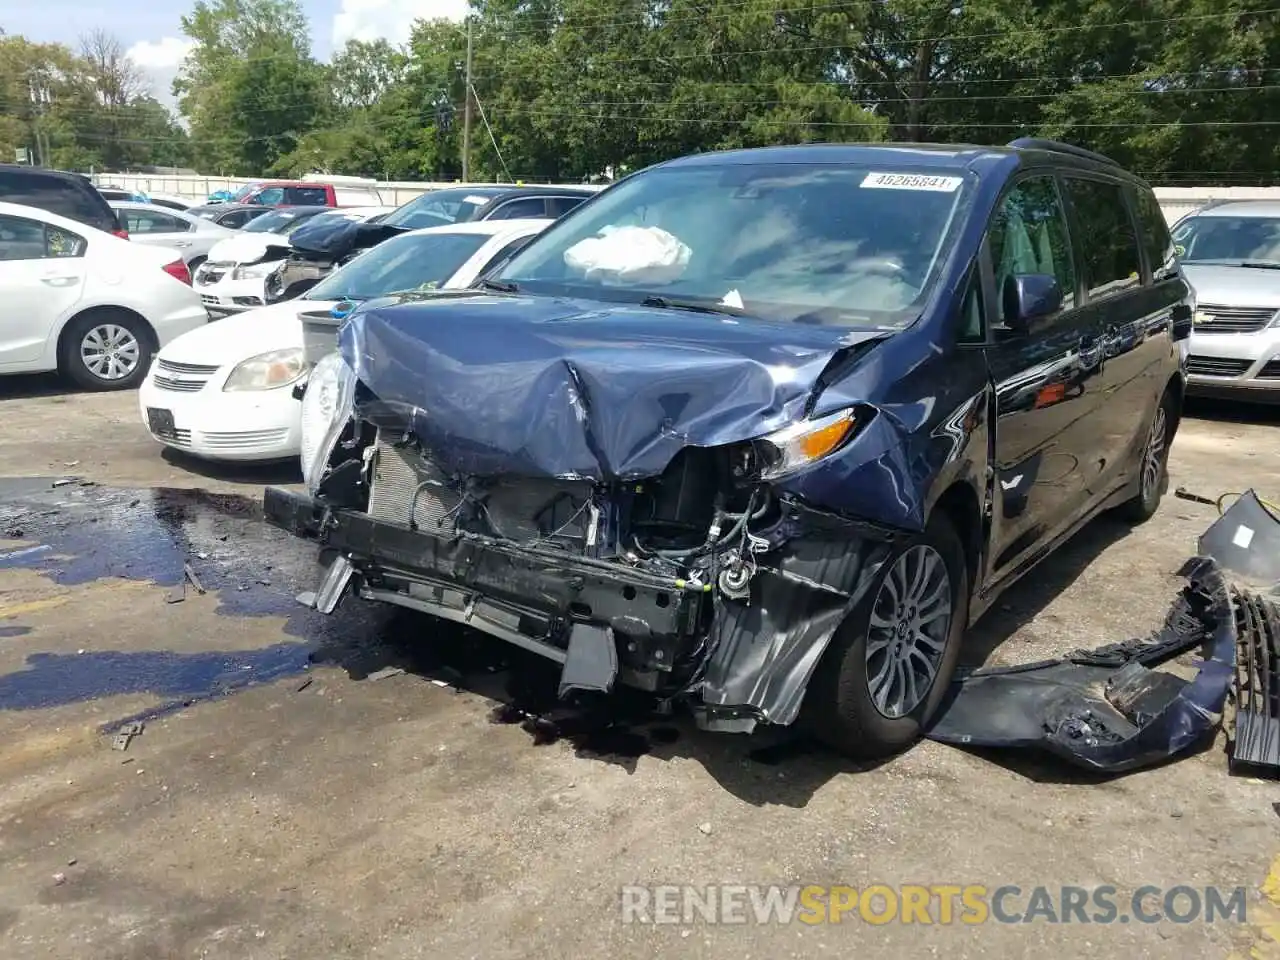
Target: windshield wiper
point(1260, 264)
point(701, 306)
point(500, 286)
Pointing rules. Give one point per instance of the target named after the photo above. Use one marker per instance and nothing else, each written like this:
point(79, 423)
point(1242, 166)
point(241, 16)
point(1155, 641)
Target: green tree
point(250, 87)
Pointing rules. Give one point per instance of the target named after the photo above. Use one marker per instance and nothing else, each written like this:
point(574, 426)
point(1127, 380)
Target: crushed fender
point(1106, 709)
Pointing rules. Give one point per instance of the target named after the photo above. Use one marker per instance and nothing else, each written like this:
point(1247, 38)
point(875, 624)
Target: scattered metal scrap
point(1108, 710)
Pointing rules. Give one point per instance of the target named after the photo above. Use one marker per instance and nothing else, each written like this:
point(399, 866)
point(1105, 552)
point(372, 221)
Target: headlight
point(254, 271)
point(267, 371)
point(326, 407)
point(803, 443)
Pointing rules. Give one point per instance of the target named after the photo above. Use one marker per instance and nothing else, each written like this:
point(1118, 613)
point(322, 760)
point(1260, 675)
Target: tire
point(842, 710)
point(120, 340)
point(1153, 467)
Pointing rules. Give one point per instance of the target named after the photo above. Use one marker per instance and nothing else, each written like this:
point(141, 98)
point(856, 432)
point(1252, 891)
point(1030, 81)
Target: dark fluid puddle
point(77, 534)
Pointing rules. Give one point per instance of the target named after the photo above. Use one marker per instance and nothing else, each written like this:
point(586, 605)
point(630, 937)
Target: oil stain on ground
point(76, 534)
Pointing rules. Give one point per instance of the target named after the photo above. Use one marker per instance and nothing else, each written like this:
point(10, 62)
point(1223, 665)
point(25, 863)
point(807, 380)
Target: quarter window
point(1029, 235)
point(1108, 243)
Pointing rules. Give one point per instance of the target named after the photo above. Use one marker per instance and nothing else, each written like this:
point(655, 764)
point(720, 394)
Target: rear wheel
point(1153, 478)
point(106, 350)
point(889, 664)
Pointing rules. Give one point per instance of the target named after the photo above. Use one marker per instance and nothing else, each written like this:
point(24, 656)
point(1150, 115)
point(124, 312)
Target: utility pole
point(466, 113)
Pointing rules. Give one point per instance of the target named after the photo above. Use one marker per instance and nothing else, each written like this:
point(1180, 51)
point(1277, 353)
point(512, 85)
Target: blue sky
point(152, 32)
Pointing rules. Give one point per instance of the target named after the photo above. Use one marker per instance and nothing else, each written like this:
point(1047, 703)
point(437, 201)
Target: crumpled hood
point(248, 248)
point(540, 386)
point(335, 237)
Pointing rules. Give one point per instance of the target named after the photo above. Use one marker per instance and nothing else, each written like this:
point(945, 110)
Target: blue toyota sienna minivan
point(762, 431)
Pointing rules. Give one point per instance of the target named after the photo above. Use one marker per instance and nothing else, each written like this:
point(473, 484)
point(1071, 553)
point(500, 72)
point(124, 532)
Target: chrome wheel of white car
point(107, 349)
point(910, 624)
point(110, 352)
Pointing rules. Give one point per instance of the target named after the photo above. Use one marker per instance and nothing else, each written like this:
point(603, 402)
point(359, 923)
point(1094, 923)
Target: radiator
point(516, 508)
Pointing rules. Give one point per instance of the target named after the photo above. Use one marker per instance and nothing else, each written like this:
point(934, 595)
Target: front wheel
point(1153, 479)
point(889, 664)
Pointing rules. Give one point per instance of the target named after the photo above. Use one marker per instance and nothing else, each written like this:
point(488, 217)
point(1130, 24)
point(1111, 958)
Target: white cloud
point(390, 19)
point(159, 61)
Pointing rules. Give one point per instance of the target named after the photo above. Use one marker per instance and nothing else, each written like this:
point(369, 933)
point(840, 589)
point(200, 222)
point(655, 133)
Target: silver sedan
point(190, 237)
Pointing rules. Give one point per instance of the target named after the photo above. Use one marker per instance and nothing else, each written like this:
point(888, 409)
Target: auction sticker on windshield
point(912, 181)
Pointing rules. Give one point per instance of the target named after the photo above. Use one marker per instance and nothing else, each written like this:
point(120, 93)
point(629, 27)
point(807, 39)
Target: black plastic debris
point(1245, 540)
point(1257, 735)
point(1107, 709)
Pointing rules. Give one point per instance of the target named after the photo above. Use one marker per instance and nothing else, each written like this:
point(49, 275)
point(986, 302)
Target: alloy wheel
point(110, 352)
point(907, 637)
point(1153, 457)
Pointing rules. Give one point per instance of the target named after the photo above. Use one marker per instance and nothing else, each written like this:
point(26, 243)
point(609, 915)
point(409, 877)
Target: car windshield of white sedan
point(399, 265)
point(1246, 241)
point(439, 208)
point(810, 243)
point(283, 222)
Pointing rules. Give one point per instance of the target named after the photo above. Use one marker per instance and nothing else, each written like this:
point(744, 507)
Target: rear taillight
point(178, 270)
point(122, 234)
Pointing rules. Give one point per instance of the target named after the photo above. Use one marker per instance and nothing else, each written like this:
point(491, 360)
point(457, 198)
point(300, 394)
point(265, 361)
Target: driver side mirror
point(1029, 297)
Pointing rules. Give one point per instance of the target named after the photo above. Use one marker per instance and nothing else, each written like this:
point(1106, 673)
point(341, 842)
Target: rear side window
point(534, 207)
point(1155, 235)
point(235, 219)
point(559, 206)
point(152, 221)
point(1106, 240)
point(270, 196)
point(22, 239)
point(65, 197)
point(306, 196)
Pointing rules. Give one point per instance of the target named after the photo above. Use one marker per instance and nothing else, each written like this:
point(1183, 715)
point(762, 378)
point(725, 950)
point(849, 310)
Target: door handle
point(182, 243)
point(59, 280)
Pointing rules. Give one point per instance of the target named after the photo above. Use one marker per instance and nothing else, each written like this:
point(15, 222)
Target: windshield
point(423, 262)
point(1229, 239)
point(437, 209)
point(281, 221)
point(814, 243)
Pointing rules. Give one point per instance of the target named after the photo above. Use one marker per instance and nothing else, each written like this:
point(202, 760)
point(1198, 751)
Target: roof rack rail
point(1054, 146)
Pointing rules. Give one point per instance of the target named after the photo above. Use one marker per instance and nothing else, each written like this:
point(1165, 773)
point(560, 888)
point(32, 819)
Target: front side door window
point(1029, 236)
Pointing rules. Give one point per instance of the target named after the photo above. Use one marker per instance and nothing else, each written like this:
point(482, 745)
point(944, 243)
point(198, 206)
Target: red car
point(309, 193)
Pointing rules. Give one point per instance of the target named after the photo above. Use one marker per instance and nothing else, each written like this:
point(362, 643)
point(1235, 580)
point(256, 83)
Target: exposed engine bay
point(693, 522)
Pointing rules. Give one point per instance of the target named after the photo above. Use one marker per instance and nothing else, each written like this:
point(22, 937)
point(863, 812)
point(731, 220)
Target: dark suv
point(66, 194)
point(320, 247)
point(762, 429)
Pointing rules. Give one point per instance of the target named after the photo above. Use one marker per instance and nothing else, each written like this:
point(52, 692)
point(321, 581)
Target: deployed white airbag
point(629, 255)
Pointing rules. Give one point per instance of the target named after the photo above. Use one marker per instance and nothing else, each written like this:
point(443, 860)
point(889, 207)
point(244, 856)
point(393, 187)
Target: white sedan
point(234, 277)
point(225, 392)
point(82, 302)
point(190, 237)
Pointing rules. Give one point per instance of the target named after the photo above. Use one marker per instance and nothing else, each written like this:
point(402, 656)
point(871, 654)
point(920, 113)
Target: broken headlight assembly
point(801, 444)
point(267, 371)
point(327, 405)
point(255, 271)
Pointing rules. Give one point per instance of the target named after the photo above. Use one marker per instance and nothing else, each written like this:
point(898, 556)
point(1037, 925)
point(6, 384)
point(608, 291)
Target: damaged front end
point(695, 575)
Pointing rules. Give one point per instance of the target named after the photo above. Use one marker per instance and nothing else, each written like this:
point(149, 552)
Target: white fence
point(1176, 202)
point(197, 188)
